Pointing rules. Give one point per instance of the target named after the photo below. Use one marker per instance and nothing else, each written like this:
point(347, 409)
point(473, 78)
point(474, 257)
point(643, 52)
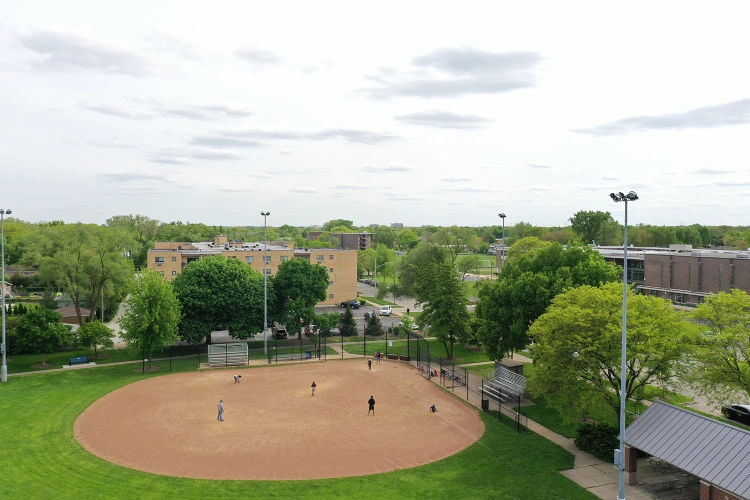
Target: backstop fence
point(314, 348)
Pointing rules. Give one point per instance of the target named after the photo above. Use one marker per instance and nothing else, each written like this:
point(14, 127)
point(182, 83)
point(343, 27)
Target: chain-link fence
point(500, 391)
point(313, 348)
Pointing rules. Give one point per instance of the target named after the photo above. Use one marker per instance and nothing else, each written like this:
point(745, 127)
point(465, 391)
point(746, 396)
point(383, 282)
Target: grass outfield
point(39, 457)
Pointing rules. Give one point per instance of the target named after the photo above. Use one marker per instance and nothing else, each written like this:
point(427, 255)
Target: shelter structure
point(717, 454)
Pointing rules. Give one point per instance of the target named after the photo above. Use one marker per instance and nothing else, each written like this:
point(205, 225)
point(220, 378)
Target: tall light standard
point(620, 460)
point(4, 369)
point(265, 286)
point(502, 252)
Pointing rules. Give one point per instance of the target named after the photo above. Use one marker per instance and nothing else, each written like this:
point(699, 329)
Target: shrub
point(598, 439)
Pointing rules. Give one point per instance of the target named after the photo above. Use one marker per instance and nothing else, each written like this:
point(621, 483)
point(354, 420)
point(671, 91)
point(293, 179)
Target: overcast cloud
point(396, 112)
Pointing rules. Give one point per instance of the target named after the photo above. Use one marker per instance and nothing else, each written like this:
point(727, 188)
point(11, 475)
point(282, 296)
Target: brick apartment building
point(681, 274)
point(169, 258)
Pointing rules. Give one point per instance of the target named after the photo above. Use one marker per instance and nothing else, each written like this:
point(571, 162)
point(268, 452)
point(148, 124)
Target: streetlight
point(502, 252)
point(620, 460)
point(4, 369)
point(265, 287)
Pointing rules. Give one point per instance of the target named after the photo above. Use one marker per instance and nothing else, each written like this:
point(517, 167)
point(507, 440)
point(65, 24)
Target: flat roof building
point(169, 258)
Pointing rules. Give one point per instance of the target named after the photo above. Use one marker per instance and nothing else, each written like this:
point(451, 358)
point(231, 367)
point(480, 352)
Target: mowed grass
point(39, 457)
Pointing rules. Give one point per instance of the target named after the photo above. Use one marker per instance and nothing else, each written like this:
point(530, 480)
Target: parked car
point(740, 413)
point(280, 333)
point(385, 311)
point(414, 326)
point(354, 304)
point(335, 331)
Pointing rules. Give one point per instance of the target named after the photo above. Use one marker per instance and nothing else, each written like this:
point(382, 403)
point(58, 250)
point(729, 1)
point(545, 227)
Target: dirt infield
point(274, 429)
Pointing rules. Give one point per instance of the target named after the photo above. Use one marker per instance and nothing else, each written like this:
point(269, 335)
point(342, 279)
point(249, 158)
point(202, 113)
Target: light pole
point(620, 460)
point(502, 252)
point(4, 369)
point(265, 286)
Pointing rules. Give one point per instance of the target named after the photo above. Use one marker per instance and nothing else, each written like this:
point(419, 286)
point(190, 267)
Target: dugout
point(233, 354)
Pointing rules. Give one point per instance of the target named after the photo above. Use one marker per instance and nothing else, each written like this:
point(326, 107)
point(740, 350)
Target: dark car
point(354, 304)
point(280, 333)
point(740, 413)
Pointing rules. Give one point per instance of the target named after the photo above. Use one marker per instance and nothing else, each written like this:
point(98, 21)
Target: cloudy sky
point(416, 112)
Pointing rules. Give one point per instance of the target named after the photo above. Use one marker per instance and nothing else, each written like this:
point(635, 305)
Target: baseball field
point(113, 432)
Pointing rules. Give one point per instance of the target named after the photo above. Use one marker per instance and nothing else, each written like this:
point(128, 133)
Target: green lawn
point(380, 302)
point(41, 459)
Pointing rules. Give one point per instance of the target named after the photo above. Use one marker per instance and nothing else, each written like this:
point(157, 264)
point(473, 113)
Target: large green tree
point(348, 325)
point(218, 293)
point(444, 304)
point(83, 260)
point(152, 314)
point(526, 285)
point(298, 285)
point(721, 368)
point(41, 331)
point(577, 354)
point(411, 267)
point(595, 226)
point(455, 240)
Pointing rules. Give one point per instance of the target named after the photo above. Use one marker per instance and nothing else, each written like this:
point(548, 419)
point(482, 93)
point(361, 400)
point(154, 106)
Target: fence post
point(466, 381)
point(170, 358)
point(364, 335)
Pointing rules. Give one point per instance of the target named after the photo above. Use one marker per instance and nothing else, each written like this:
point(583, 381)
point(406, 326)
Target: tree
point(326, 321)
point(577, 353)
point(722, 356)
point(298, 286)
point(444, 309)
point(413, 265)
point(93, 334)
point(152, 314)
point(525, 287)
point(384, 235)
point(365, 261)
point(41, 331)
point(594, 226)
point(455, 240)
point(374, 327)
point(336, 223)
point(528, 246)
point(82, 260)
point(468, 264)
point(348, 324)
point(218, 293)
point(408, 239)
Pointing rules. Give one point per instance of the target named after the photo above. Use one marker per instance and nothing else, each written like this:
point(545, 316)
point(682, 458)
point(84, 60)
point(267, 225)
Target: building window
point(700, 276)
point(330, 283)
point(27, 273)
point(662, 274)
point(679, 298)
point(267, 271)
point(283, 258)
point(721, 275)
point(330, 295)
point(330, 269)
point(731, 276)
point(671, 273)
point(653, 293)
point(690, 275)
point(174, 259)
point(267, 258)
point(159, 260)
point(161, 272)
point(320, 258)
point(232, 256)
point(249, 259)
point(330, 257)
point(174, 273)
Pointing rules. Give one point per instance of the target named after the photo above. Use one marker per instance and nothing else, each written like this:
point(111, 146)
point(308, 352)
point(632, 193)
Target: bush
point(598, 439)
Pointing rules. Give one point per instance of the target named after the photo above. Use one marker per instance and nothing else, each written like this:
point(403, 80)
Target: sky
point(415, 112)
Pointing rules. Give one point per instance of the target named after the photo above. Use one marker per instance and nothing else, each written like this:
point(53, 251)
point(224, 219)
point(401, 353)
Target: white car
point(385, 311)
point(414, 326)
